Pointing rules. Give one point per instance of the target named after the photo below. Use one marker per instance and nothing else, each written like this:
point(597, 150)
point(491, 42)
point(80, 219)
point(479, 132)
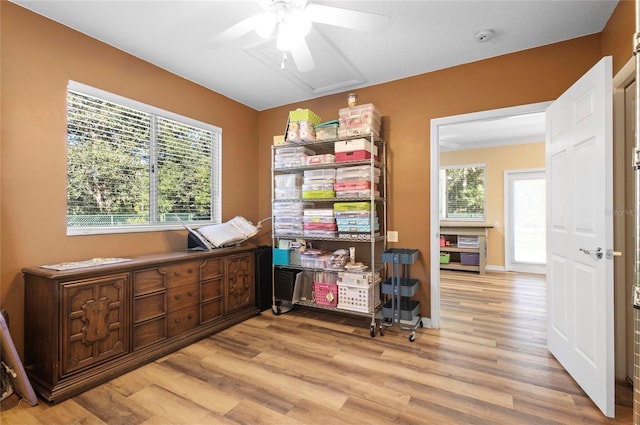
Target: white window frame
point(442, 193)
point(216, 166)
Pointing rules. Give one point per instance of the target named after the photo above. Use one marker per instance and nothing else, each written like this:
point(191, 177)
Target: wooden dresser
point(86, 326)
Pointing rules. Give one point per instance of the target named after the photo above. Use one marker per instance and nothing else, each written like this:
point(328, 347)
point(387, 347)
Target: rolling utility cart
point(399, 308)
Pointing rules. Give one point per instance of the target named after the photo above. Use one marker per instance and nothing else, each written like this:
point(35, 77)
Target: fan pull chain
point(284, 60)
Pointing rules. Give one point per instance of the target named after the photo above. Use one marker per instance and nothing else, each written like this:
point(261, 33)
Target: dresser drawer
point(182, 273)
point(211, 268)
point(147, 333)
point(182, 296)
point(182, 320)
point(146, 281)
point(211, 289)
point(149, 306)
point(211, 310)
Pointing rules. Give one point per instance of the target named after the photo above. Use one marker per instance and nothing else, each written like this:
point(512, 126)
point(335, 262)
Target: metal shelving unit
point(374, 244)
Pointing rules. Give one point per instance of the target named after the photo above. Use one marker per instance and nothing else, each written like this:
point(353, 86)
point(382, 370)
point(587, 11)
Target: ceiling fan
point(291, 21)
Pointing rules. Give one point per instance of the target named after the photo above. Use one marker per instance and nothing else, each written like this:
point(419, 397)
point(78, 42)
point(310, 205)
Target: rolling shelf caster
point(381, 330)
point(412, 336)
point(276, 311)
point(373, 331)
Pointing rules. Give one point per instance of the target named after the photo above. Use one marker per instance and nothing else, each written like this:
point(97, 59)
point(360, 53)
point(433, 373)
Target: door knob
point(597, 252)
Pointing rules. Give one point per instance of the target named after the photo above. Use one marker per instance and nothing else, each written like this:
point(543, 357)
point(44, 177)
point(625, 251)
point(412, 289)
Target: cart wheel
point(373, 331)
point(421, 324)
point(412, 336)
point(381, 330)
point(277, 311)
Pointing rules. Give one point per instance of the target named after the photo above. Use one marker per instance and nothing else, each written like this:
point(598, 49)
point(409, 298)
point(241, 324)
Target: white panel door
point(580, 233)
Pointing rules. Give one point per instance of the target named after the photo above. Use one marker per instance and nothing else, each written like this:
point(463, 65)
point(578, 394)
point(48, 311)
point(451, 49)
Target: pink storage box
point(326, 293)
point(319, 159)
point(320, 226)
point(358, 185)
point(360, 155)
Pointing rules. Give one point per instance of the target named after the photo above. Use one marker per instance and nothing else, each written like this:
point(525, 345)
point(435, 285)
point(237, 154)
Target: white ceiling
point(484, 133)
point(422, 36)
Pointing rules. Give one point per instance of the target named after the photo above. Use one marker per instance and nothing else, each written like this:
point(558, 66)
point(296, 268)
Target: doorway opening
point(445, 136)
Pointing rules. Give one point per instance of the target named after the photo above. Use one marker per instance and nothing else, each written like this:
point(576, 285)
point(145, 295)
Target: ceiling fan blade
point(302, 57)
point(235, 31)
point(345, 18)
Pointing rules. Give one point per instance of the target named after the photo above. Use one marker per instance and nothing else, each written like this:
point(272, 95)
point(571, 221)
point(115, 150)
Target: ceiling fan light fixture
point(265, 24)
point(285, 39)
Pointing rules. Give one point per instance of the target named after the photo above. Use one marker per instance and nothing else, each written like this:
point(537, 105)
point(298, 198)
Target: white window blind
point(134, 167)
point(462, 192)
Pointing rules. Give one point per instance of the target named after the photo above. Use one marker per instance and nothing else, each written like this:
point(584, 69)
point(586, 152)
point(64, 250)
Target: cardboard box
point(304, 115)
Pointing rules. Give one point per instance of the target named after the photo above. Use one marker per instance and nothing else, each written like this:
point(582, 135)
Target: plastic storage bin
point(358, 173)
point(468, 242)
point(293, 150)
point(288, 193)
point(366, 114)
point(288, 180)
point(352, 206)
point(363, 299)
point(326, 293)
point(281, 257)
point(319, 159)
point(327, 173)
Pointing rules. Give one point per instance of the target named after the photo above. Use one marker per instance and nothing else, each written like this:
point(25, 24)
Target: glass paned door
point(525, 215)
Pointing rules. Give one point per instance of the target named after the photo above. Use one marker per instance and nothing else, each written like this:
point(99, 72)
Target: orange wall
point(497, 160)
point(617, 36)
point(39, 56)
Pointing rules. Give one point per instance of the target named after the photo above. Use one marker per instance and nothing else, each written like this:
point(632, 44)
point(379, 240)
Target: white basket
point(363, 299)
point(358, 278)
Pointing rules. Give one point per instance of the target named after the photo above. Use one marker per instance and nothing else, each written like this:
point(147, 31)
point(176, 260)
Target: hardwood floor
point(488, 364)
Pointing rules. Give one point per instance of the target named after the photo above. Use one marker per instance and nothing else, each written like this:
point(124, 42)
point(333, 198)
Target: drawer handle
point(190, 316)
point(177, 296)
point(176, 273)
point(189, 270)
point(190, 293)
point(177, 320)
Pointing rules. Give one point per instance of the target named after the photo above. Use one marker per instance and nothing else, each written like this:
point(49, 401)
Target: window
point(133, 167)
point(462, 192)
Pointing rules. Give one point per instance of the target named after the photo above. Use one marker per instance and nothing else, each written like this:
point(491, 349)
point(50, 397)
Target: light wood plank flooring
point(487, 365)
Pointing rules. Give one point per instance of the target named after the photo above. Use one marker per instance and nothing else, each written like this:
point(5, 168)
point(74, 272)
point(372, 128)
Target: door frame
point(623, 273)
point(509, 264)
point(434, 201)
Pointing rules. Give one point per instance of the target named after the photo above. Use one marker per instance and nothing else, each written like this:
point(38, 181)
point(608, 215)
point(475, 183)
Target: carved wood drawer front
point(211, 269)
point(182, 273)
point(149, 306)
point(94, 327)
point(183, 296)
point(182, 320)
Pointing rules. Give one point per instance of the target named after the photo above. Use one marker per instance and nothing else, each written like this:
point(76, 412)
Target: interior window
point(462, 192)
